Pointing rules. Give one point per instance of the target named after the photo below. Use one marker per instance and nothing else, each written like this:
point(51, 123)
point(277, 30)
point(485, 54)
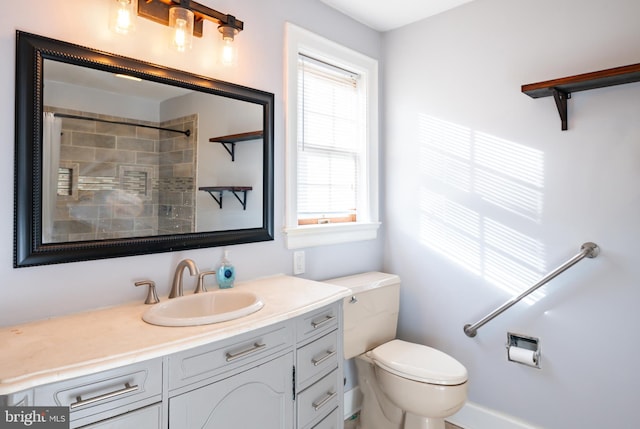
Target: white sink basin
point(203, 308)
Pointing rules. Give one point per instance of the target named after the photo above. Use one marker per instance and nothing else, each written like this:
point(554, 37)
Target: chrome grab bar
point(587, 250)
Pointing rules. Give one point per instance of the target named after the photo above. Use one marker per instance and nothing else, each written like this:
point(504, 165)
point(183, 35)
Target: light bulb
point(122, 16)
point(181, 23)
point(229, 52)
point(179, 36)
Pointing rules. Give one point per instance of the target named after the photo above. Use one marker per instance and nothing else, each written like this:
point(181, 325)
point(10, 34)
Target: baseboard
point(474, 416)
point(471, 416)
point(352, 402)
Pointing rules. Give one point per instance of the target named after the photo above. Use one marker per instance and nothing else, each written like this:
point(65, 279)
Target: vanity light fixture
point(185, 17)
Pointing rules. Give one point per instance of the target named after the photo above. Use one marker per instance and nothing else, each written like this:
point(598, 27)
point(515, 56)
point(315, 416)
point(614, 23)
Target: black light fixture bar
point(158, 11)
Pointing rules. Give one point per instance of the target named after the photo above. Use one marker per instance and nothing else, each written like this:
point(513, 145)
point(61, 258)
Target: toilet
point(404, 385)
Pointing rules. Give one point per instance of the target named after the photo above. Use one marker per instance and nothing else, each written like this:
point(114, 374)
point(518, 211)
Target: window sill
point(321, 235)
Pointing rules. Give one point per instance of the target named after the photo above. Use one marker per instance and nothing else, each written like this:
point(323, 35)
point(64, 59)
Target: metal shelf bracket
point(231, 151)
point(561, 98)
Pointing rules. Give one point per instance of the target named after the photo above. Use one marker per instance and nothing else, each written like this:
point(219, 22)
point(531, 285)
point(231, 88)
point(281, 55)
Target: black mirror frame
point(31, 51)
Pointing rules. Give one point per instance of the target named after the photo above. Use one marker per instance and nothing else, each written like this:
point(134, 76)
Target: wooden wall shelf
point(212, 190)
point(232, 139)
point(561, 89)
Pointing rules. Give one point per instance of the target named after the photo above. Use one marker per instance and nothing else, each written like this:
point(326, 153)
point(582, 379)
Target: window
point(332, 144)
point(329, 147)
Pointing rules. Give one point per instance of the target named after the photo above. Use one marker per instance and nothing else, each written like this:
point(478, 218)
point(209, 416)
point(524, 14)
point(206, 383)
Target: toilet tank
point(371, 312)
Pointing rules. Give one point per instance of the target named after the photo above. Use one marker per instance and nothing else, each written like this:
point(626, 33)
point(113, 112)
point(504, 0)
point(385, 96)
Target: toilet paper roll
point(527, 357)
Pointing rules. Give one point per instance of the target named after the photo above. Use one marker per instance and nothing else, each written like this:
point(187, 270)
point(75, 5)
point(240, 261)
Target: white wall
point(485, 193)
point(219, 116)
point(40, 292)
point(84, 99)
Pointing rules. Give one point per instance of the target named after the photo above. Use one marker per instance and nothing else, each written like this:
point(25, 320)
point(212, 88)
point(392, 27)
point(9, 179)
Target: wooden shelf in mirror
point(220, 190)
point(232, 139)
point(561, 89)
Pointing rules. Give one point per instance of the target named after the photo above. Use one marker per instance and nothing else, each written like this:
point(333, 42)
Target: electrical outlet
point(298, 262)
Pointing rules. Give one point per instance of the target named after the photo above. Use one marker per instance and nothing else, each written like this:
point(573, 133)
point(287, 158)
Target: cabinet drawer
point(332, 421)
point(319, 399)
point(316, 359)
point(146, 418)
point(204, 362)
point(105, 394)
point(317, 323)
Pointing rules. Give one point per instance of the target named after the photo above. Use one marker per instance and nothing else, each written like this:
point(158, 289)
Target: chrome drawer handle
point(328, 318)
point(252, 349)
point(80, 402)
point(328, 397)
point(329, 354)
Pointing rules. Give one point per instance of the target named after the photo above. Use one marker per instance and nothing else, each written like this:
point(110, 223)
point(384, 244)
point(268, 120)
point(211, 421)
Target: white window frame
point(299, 40)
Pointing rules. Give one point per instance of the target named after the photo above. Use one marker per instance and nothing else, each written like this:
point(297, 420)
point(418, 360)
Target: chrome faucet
point(176, 286)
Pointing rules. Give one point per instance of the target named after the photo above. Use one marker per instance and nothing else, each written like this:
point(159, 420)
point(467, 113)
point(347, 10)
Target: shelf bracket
point(561, 98)
point(218, 199)
point(243, 201)
point(231, 151)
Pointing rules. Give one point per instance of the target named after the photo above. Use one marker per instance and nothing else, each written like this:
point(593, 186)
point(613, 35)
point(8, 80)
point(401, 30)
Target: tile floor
point(351, 424)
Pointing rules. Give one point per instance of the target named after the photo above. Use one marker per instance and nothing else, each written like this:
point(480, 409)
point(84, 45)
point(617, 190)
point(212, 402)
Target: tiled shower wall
point(176, 173)
point(124, 181)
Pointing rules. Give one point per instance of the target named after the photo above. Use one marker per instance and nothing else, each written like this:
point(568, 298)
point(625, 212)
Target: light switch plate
point(298, 262)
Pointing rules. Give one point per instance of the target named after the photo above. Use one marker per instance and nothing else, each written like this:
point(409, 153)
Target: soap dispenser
point(226, 273)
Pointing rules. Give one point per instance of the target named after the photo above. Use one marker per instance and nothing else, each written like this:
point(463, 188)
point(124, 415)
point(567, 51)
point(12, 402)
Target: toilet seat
point(419, 363)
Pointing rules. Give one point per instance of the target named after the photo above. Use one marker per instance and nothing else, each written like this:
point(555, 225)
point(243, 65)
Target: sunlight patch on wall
point(512, 261)
point(508, 194)
point(509, 175)
point(445, 155)
point(445, 169)
point(451, 229)
point(514, 160)
point(468, 176)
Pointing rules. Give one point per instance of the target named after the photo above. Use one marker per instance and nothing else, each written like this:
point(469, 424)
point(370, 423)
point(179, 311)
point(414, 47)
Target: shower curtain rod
point(65, 115)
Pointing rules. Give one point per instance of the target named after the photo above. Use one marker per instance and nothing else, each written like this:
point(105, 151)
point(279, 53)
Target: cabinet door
point(259, 398)
point(145, 418)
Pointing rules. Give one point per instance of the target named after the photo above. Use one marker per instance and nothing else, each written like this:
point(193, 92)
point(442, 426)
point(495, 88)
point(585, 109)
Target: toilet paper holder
point(523, 349)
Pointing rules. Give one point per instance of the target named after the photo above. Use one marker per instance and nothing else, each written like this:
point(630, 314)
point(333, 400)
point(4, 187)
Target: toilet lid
point(419, 363)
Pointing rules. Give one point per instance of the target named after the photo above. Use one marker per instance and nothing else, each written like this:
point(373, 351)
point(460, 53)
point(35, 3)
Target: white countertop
point(57, 349)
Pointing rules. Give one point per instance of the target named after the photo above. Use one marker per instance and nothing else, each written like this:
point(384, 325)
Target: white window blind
point(330, 143)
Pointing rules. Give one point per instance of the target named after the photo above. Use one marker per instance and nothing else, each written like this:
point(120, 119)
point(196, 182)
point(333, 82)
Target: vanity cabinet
point(284, 375)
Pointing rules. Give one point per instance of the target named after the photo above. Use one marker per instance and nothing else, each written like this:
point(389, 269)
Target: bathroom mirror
point(118, 157)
